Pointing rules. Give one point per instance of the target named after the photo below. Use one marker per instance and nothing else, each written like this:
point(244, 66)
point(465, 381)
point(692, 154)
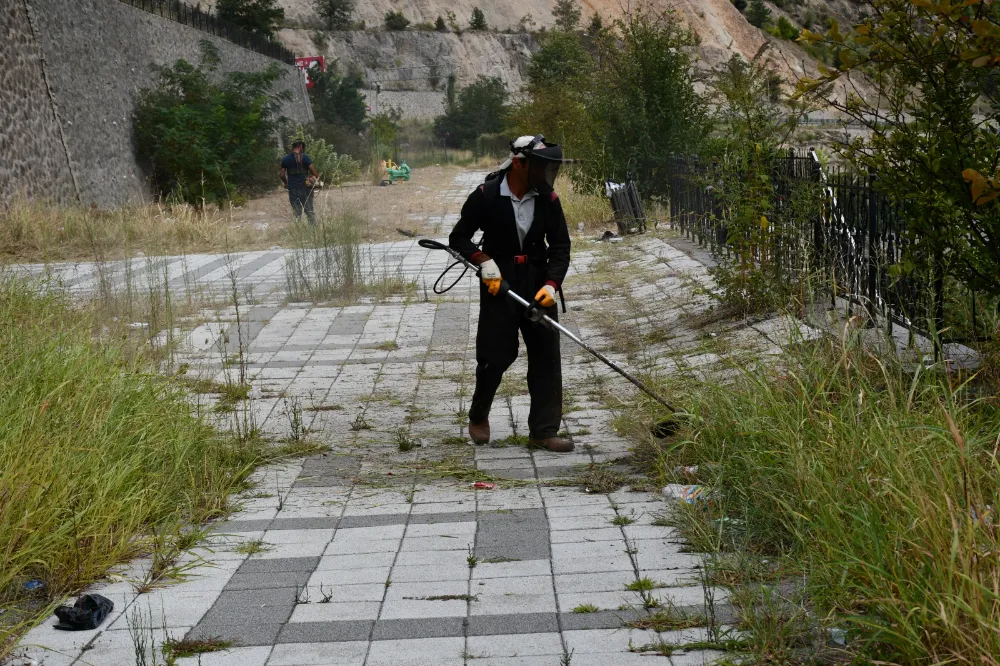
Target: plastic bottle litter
point(686, 494)
point(579, 227)
point(686, 471)
point(33, 585)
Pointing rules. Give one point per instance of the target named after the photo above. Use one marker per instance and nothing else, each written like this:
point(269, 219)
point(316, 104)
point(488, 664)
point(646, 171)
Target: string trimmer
point(534, 314)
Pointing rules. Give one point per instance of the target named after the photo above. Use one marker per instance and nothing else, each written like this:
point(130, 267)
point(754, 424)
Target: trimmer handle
point(431, 244)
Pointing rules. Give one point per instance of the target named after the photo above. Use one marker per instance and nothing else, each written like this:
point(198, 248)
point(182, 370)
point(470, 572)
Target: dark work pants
point(301, 199)
point(496, 349)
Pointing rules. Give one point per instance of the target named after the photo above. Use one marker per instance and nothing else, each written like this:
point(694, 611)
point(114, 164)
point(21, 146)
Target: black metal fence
point(197, 18)
point(851, 234)
point(627, 206)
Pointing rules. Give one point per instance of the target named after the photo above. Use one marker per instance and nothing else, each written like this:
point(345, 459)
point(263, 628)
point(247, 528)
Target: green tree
point(478, 21)
point(440, 25)
point(785, 29)
point(567, 15)
point(206, 136)
point(396, 21)
point(336, 99)
point(336, 14)
point(741, 5)
point(931, 133)
point(758, 14)
point(596, 25)
point(261, 17)
point(479, 108)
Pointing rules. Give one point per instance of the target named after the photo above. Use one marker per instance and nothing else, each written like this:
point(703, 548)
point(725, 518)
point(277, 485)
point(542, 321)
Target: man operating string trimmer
point(525, 241)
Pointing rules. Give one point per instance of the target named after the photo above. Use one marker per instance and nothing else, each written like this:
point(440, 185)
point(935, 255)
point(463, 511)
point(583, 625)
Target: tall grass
point(874, 481)
point(99, 454)
point(330, 261)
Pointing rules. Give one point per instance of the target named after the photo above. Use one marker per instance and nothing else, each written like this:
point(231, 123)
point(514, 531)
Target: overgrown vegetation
point(479, 108)
point(102, 457)
point(871, 482)
point(206, 137)
point(261, 17)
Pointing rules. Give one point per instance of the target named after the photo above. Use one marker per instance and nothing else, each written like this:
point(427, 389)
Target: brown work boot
point(556, 444)
point(480, 432)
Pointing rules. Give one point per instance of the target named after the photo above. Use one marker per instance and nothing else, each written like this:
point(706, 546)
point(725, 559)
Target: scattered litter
point(484, 485)
point(33, 585)
point(89, 611)
point(686, 494)
point(138, 325)
point(580, 227)
point(838, 636)
point(686, 471)
point(407, 233)
point(983, 516)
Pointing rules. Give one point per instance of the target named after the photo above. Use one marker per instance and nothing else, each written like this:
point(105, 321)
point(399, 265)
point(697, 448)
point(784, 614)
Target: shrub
point(333, 169)
point(439, 25)
point(207, 141)
point(396, 21)
point(336, 14)
point(478, 20)
point(758, 14)
point(931, 139)
point(785, 29)
point(479, 108)
point(262, 17)
point(741, 5)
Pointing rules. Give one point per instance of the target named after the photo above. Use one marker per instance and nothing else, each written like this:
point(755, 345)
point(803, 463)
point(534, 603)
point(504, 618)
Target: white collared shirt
point(524, 209)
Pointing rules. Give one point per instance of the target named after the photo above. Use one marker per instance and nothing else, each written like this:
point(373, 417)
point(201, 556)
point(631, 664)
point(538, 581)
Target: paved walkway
point(372, 555)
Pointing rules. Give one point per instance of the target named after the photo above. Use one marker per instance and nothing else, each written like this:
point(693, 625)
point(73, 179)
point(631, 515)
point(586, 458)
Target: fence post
point(872, 249)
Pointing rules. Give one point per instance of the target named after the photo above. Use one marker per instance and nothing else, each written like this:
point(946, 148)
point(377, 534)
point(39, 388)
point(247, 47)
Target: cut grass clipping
point(875, 481)
point(98, 453)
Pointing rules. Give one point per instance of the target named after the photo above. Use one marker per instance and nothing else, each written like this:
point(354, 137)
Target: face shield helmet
point(544, 160)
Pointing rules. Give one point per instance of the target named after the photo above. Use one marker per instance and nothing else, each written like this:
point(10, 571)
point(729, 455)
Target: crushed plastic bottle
point(687, 494)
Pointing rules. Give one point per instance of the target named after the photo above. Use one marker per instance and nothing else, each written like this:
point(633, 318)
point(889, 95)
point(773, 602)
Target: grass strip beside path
point(100, 455)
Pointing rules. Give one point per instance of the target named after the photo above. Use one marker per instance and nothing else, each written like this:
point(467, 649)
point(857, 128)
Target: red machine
point(307, 63)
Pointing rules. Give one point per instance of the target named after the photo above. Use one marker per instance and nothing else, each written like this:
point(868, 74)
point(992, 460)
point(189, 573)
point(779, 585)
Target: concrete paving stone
point(624, 659)
point(570, 563)
point(689, 596)
point(171, 610)
point(278, 565)
point(255, 581)
point(446, 558)
point(593, 582)
point(587, 536)
point(598, 509)
point(587, 523)
point(515, 645)
point(345, 593)
point(359, 547)
point(515, 623)
point(485, 569)
point(429, 573)
point(605, 641)
point(503, 596)
point(505, 463)
point(350, 653)
point(433, 627)
point(609, 619)
point(667, 534)
point(240, 526)
point(384, 509)
point(318, 611)
point(279, 524)
point(538, 660)
point(32, 656)
point(252, 606)
point(609, 600)
point(240, 633)
point(110, 647)
point(378, 520)
point(237, 656)
point(348, 562)
point(325, 632)
point(588, 549)
point(418, 651)
point(651, 560)
point(376, 533)
point(328, 577)
point(282, 551)
point(447, 523)
point(555, 497)
point(439, 542)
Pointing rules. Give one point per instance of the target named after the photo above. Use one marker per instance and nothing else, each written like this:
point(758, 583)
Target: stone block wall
point(98, 55)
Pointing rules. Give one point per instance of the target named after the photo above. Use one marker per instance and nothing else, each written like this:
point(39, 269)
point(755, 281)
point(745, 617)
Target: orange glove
point(490, 275)
point(546, 296)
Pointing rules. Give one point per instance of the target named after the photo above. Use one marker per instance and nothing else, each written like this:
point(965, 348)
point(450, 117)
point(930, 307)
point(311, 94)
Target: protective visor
point(543, 165)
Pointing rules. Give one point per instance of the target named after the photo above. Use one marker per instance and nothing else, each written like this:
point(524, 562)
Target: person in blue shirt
point(299, 175)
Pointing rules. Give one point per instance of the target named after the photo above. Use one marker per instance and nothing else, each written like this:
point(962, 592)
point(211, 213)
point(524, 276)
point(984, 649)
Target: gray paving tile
point(447, 517)
point(615, 619)
point(521, 623)
point(376, 520)
point(325, 632)
point(260, 606)
point(248, 634)
point(278, 565)
point(234, 526)
point(255, 581)
point(433, 627)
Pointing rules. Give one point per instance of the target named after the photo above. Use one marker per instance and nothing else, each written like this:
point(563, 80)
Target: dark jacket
point(547, 242)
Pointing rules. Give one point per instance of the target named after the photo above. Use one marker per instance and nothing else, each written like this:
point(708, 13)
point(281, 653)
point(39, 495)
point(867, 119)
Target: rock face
point(69, 76)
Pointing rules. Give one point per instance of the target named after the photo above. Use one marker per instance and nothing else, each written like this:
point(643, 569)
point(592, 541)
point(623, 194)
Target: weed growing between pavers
point(253, 547)
point(869, 481)
point(98, 452)
point(586, 608)
point(192, 647)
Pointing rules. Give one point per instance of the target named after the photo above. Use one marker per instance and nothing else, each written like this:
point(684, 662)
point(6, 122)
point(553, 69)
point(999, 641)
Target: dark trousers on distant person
point(301, 199)
point(496, 350)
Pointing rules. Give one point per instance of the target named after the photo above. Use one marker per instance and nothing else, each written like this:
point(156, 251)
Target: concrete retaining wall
point(75, 79)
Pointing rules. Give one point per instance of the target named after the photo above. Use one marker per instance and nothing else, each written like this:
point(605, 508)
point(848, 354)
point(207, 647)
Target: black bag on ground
point(87, 613)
